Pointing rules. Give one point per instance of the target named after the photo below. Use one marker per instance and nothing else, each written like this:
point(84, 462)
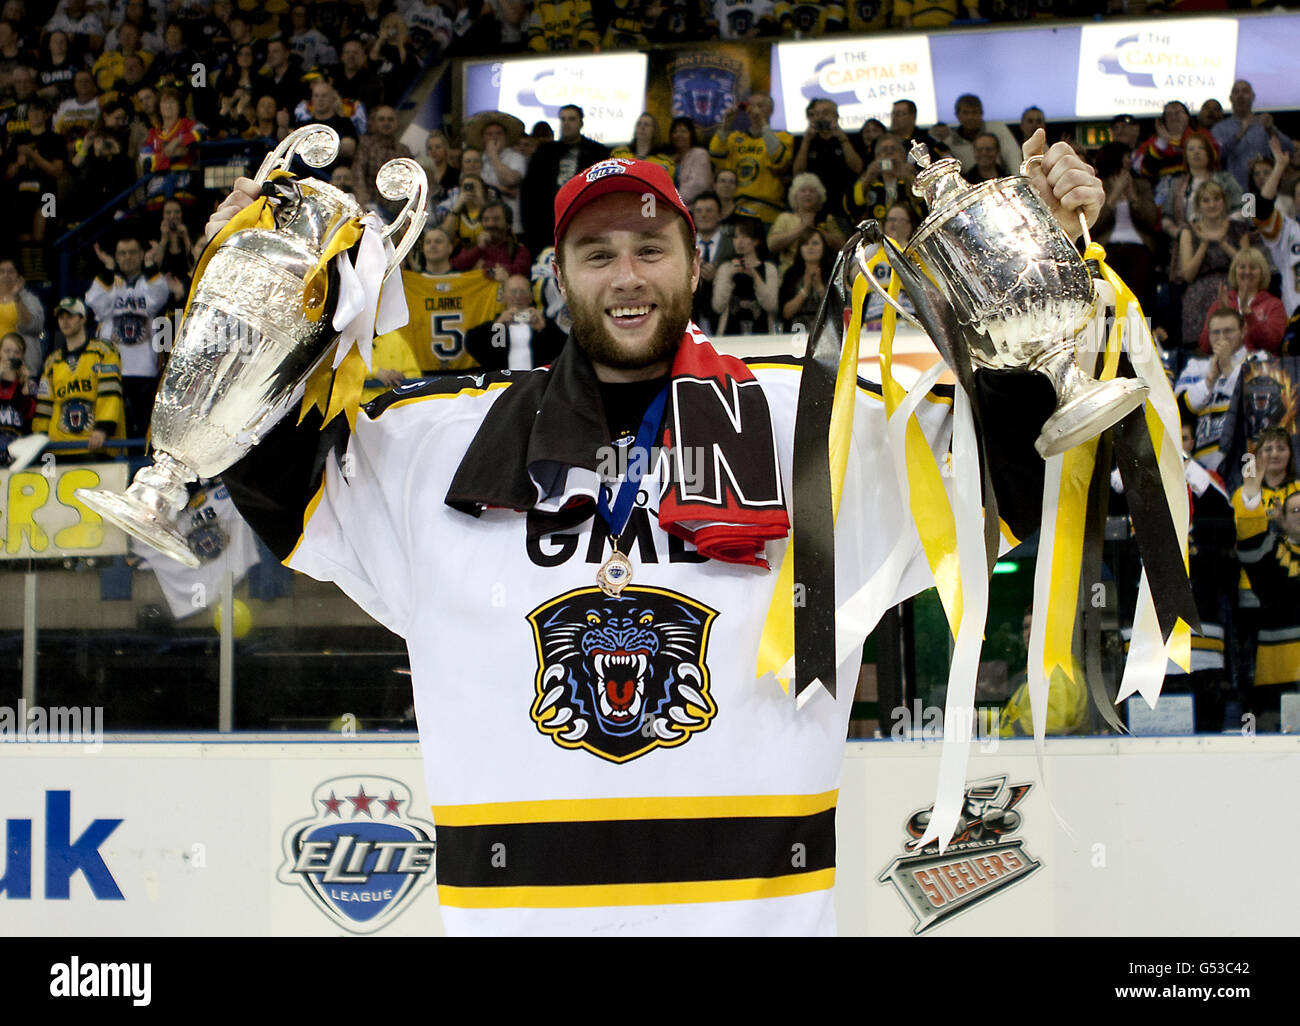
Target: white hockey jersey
point(597, 765)
point(125, 313)
point(223, 542)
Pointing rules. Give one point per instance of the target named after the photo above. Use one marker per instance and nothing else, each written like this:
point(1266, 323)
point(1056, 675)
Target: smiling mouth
point(630, 316)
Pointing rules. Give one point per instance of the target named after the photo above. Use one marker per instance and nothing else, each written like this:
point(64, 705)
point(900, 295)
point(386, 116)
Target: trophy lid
point(937, 183)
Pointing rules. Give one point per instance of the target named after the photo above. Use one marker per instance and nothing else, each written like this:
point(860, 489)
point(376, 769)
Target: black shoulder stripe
point(445, 385)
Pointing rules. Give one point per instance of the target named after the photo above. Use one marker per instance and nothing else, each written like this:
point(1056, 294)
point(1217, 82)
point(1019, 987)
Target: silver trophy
point(247, 347)
point(1013, 276)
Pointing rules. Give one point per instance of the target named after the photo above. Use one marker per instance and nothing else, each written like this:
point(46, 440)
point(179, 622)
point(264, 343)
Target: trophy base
point(148, 509)
point(1089, 408)
point(140, 521)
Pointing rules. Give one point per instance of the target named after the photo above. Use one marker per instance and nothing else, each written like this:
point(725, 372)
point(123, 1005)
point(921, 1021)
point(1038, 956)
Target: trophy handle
point(403, 178)
point(1086, 235)
point(317, 145)
point(860, 255)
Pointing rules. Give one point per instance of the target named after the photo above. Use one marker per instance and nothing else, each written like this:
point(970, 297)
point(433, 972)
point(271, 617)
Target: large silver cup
point(1011, 273)
point(246, 348)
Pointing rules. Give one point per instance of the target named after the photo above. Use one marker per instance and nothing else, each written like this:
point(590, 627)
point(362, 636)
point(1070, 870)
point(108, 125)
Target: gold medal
point(615, 573)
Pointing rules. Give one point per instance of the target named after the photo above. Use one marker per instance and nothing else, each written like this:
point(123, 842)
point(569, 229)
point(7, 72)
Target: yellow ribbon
point(929, 504)
point(327, 390)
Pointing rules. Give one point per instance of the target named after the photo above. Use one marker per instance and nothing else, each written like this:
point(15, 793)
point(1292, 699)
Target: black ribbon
point(1153, 526)
point(813, 530)
point(1094, 540)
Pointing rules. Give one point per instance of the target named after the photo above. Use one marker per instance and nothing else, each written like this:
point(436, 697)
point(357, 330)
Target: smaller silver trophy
point(247, 345)
point(1012, 276)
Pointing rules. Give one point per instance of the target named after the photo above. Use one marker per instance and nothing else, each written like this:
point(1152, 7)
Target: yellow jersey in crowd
point(443, 307)
point(80, 392)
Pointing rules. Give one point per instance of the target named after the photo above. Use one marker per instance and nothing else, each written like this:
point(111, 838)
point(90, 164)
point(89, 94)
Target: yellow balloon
point(243, 619)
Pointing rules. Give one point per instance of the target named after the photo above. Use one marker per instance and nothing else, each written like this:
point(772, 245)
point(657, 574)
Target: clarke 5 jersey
point(443, 307)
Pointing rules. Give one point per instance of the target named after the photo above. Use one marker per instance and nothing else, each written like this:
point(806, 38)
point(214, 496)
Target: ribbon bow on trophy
point(285, 303)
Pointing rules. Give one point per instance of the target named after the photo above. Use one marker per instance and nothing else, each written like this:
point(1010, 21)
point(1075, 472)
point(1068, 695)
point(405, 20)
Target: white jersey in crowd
point(125, 313)
point(1209, 400)
point(564, 732)
point(218, 535)
point(1281, 236)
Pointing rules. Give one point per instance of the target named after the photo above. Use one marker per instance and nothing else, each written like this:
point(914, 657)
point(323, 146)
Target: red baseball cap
point(618, 174)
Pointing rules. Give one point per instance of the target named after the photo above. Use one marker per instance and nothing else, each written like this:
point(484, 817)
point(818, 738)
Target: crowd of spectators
point(104, 107)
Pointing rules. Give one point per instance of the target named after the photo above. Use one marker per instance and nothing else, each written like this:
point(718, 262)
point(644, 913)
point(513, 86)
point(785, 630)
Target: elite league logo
point(981, 860)
point(361, 857)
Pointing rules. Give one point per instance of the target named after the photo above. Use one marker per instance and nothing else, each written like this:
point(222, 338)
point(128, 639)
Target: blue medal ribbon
point(638, 459)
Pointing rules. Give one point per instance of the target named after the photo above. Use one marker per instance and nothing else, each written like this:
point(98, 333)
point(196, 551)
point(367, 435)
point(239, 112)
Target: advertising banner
point(40, 517)
point(295, 837)
point(864, 75)
point(610, 89)
point(1137, 67)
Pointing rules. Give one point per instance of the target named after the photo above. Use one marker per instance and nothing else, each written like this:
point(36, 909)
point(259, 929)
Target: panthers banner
point(40, 517)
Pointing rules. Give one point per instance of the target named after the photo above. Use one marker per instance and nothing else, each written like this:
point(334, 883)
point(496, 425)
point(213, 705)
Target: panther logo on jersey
point(76, 416)
point(621, 677)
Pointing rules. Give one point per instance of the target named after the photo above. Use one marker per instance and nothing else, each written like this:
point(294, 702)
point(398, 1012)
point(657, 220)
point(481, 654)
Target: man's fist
point(1065, 183)
point(243, 193)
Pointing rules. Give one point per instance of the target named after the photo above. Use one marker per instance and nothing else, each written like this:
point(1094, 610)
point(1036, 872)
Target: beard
point(595, 338)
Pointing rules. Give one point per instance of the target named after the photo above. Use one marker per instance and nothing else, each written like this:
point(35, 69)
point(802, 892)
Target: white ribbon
point(959, 710)
point(1148, 655)
point(858, 616)
point(365, 307)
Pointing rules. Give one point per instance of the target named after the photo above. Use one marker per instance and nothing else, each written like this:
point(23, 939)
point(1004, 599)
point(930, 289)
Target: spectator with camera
point(747, 287)
point(393, 58)
point(826, 151)
point(885, 181)
point(17, 396)
point(34, 162)
point(21, 313)
point(101, 172)
point(746, 144)
point(519, 337)
point(497, 251)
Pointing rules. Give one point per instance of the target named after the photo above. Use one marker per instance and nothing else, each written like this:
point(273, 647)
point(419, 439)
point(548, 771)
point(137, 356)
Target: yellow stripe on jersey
point(591, 809)
point(599, 895)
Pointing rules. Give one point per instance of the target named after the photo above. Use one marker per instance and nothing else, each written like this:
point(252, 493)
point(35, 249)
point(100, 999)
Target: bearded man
point(579, 560)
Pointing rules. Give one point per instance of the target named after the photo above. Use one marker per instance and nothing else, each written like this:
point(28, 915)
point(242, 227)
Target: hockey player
point(583, 603)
